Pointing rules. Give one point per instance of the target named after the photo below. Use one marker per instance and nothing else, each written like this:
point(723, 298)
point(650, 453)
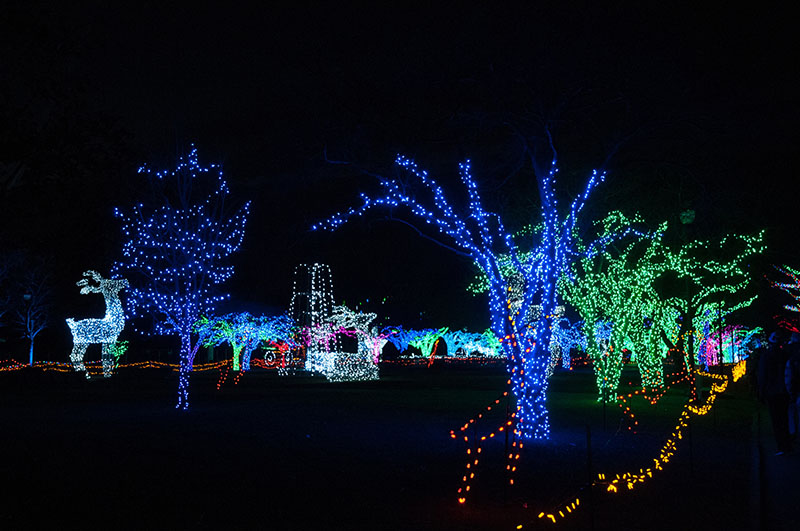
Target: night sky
point(699, 109)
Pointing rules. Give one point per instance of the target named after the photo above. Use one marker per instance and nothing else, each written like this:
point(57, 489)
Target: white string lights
point(103, 331)
point(321, 325)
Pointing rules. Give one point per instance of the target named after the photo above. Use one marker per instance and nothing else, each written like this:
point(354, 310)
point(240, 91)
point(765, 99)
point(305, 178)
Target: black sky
point(704, 99)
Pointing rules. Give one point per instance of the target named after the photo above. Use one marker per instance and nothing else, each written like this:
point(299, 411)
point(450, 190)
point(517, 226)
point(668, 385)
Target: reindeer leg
point(108, 361)
point(78, 352)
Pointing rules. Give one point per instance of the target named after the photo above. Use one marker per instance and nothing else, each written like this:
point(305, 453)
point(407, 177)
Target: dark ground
point(300, 453)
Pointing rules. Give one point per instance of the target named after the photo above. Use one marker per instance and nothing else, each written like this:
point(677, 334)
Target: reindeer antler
point(94, 274)
point(84, 282)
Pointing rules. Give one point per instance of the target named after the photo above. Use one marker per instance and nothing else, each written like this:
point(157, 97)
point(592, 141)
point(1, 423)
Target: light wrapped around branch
point(790, 286)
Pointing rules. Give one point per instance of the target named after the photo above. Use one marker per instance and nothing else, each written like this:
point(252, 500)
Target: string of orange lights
point(629, 480)
point(624, 399)
point(95, 367)
point(476, 447)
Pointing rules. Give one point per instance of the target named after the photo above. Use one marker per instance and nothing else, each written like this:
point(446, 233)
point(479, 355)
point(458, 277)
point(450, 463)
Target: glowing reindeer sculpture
point(103, 331)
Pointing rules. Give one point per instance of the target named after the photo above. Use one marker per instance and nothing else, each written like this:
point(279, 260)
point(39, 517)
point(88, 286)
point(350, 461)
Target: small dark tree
point(5, 295)
point(32, 311)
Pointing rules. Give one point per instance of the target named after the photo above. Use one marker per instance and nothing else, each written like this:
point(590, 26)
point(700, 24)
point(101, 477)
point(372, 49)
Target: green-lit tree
point(426, 340)
point(613, 293)
point(702, 284)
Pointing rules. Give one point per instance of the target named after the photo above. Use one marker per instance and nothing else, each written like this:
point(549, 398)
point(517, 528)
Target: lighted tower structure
point(312, 295)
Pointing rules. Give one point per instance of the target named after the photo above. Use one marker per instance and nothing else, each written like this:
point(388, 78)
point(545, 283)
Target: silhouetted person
point(792, 381)
point(772, 389)
point(759, 346)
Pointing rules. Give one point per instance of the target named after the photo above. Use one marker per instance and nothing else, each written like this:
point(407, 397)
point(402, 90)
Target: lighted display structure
point(312, 295)
point(736, 343)
point(321, 325)
point(103, 331)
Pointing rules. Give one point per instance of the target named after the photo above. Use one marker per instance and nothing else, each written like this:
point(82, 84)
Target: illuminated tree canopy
point(470, 343)
point(735, 343)
point(703, 283)
point(176, 252)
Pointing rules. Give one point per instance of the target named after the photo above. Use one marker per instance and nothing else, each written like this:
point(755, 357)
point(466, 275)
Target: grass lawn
point(300, 453)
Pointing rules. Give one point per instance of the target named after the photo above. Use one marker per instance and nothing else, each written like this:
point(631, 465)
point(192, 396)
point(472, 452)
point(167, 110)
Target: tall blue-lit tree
point(176, 252)
point(480, 236)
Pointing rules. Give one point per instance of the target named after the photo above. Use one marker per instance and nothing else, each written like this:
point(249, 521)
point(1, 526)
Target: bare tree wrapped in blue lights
point(456, 340)
point(176, 252)
point(481, 236)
